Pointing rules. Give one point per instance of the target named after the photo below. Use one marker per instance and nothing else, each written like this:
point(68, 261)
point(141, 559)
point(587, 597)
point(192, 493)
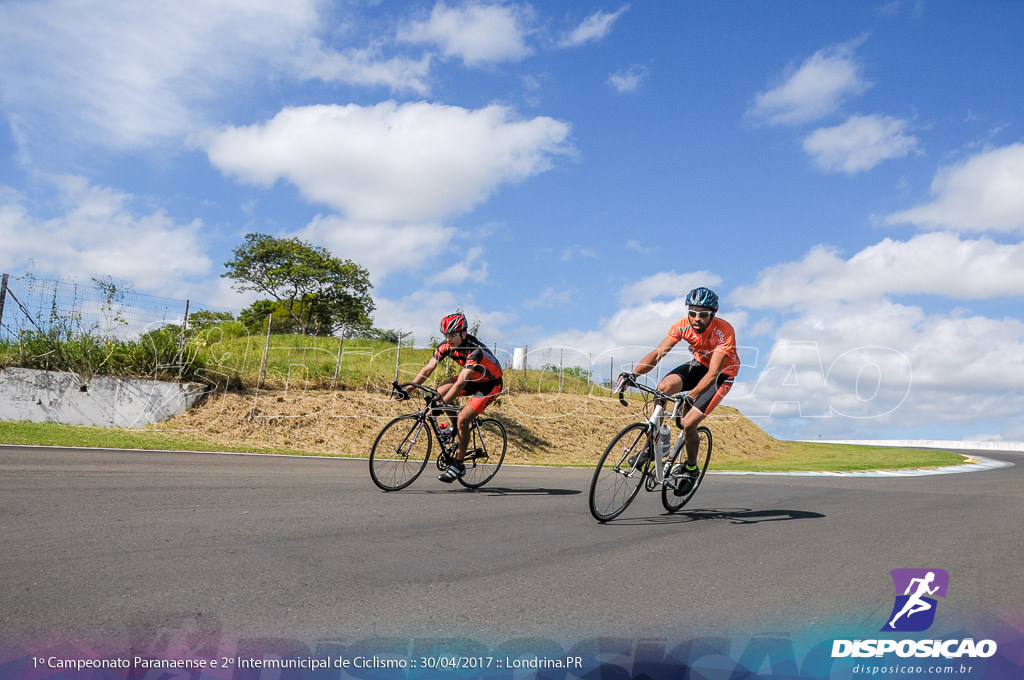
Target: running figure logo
point(914, 609)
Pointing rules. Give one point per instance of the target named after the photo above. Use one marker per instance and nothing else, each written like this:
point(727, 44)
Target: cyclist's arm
point(715, 365)
point(425, 371)
point(460, 380)
point(648, 363)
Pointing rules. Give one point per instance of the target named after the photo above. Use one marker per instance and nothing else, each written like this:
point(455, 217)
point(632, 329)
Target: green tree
point(317, 291)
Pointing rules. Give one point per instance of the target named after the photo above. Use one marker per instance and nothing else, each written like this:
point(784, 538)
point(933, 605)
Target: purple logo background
point(915, 605)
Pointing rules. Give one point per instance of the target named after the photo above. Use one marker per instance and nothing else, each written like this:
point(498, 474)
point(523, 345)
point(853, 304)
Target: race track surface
point(135, 547)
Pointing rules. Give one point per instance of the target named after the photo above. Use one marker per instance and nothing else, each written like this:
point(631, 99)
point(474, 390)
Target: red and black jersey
point(473, 355)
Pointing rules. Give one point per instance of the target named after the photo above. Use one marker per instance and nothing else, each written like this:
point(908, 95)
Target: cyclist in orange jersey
point(709, 376)
point(480, 379)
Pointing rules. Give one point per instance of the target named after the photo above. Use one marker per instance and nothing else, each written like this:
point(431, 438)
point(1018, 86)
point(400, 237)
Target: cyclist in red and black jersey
point(480, 379)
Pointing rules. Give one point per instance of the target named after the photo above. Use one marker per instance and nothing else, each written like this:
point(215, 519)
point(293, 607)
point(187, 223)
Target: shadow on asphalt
point(504, 491)
point(493, 491)
point(731, 515)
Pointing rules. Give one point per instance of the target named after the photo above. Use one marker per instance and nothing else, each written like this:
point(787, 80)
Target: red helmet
point(453, 322)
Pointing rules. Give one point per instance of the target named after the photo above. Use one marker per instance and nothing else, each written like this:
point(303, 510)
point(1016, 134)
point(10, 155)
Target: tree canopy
point(320, 293)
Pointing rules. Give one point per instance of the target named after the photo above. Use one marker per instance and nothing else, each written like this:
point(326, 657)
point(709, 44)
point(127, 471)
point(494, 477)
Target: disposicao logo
point(914, 611)
point(916, 590)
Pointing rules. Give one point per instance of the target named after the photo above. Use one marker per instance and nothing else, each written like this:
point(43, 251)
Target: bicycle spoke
point(620, 473)
point(485, 454)
point(400, 452)
point(676, 495)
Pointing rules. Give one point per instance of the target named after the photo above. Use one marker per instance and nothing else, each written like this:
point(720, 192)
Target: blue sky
point(849, 176)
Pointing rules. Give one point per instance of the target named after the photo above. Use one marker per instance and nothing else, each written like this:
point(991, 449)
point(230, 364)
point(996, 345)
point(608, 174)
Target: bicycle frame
point(431, 412)
point(655, 420)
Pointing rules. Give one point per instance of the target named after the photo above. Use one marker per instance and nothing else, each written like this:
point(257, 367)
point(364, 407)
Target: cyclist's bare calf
point(463, 422)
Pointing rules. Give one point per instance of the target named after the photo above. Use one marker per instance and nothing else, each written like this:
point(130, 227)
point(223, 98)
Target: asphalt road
point(146, 547)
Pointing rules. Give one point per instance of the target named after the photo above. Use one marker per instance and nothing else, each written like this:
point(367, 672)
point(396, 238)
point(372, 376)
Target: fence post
point(3, 296)
point(337, 364)
point(526, 364)
point(398, 354)
point(266, 353)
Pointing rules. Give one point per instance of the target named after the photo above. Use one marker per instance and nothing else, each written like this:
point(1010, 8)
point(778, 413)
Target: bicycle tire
point(616, 481)
point(399, 455)
point(486, 453)
point(670, 497)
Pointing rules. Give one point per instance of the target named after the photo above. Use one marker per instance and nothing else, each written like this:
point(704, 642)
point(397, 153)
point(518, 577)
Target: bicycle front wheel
point(400, 452)
point(620, 473)
point(485, 453)
point(675, 497)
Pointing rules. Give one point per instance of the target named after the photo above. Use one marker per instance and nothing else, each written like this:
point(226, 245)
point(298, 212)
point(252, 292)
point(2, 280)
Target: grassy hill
point(326, 396)
point(543, 429)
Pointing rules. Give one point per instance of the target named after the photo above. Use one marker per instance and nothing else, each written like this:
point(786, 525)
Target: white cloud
point(577, 251)
point(849, 361)
point(365, 67)
point(593, 28)
point(476, 33)
point(667, 285)
point(646, 310)
point(421, 312)
point(381, 248)
point(936, 263)
point(857, 370)
point(985, 192)
point(813, 90)
point(469, 267)
point(628, 80)
point(859, 144)
point(126, 73)
point(550, 298)
point(390, 162)
point(99, 235)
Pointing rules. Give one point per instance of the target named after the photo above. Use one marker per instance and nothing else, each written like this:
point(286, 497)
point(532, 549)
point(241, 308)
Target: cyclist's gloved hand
point(623, 380)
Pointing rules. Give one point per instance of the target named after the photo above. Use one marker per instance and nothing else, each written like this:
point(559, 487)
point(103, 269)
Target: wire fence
point(101, 310)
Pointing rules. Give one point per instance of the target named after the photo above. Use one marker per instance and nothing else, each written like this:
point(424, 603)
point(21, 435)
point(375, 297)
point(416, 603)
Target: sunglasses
point(703, 314)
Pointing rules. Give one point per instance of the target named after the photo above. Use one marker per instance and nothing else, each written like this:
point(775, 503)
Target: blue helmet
point(702, 297)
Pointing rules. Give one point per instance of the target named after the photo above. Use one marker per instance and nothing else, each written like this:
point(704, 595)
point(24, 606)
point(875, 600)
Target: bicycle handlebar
point(432, 394)
point(628, 380)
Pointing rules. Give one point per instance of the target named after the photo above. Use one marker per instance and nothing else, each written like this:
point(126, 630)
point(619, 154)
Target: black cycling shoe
point(638, 460)
point(454, 471)
point(688, 477)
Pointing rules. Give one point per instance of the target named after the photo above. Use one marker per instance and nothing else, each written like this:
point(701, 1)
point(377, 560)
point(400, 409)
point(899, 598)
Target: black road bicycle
point(633, 459)
point(402, 449)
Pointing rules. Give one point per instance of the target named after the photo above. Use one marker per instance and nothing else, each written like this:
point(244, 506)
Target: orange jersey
point(719, 337)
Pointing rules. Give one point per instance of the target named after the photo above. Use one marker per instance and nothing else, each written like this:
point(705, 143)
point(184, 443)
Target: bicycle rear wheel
point(617, 479)
point(674, 498)
point(400, 452)
point(485, 453)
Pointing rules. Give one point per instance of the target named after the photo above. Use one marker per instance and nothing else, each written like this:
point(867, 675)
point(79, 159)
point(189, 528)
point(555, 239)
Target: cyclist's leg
point(681, 378)
point(700, 410)
point(483, 394)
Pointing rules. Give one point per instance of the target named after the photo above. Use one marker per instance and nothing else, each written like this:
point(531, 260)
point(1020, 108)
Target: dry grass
point(546, 429)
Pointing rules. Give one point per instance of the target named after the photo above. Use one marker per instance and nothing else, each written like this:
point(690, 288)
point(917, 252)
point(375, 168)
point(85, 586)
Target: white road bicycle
point(634, 459)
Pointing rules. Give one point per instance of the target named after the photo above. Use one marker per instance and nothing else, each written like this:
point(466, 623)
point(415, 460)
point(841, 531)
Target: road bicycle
point(635, 458)
point(402, 449)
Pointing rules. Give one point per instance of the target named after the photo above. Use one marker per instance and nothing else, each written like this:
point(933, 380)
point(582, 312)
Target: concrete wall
point(55, 397)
